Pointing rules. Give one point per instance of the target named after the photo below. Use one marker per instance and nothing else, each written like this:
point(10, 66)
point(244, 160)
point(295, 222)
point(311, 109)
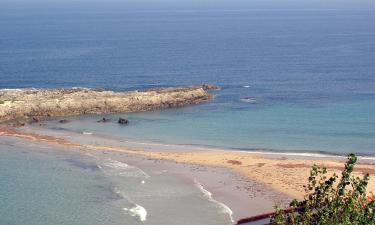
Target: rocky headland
point(27, 105)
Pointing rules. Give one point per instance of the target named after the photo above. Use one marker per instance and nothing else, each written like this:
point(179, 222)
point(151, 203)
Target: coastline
point(136, 189)
point(21, 106)
point(108, 115)
point(281, 173)
point(234, 194)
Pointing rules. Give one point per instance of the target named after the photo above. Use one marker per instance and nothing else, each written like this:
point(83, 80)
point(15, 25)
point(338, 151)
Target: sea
point(292, 81)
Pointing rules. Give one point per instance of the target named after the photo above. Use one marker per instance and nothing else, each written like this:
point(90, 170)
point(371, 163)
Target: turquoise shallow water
point(42, 186)
point(311, 72)
point(335, 128)
point(47, 185)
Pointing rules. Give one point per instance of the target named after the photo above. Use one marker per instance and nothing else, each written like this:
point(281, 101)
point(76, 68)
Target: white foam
point(366, 157)
point(87, 133)
point(117, 165)
point(92, 156)
point(246, 86)
point(126, 170)
point(137, 211)
point(265, 152)
point(16, 89)
point(208, 195)
point(80, 88)
point(302, 154)
point(249, 100)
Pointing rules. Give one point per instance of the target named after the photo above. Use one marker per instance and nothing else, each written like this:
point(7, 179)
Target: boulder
point(104, 120)
point(123, 121)
point(63, 121)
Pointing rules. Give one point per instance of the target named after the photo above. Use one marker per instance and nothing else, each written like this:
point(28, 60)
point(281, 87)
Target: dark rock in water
point(64, 121)
point(35, 120)
point(207, 87)
point(104, 120)
point(123, 121)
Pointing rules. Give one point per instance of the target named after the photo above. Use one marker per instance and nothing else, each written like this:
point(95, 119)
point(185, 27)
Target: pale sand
point(286, 175)
point(243, 197)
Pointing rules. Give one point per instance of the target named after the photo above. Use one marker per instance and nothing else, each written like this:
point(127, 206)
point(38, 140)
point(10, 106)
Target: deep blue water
point(311, 72)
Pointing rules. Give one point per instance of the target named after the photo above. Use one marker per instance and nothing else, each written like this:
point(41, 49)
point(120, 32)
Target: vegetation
point(1, 102)
point(330, 203)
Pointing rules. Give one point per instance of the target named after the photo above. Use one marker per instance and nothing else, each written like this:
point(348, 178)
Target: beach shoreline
point(181, 113)
point(279, 173)
point(234, 194)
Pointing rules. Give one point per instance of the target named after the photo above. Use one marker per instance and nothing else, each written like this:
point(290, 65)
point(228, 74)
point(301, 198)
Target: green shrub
point(330, 203)
point(1, 102)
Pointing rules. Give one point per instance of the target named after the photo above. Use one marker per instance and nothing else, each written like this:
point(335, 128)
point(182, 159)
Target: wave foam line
point(208, 195)
point(249, 151)
point(121, 165)
point(137, 211)
point(302, 154)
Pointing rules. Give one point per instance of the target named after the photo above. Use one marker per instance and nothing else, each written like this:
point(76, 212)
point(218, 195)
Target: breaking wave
point(137, 211)
point(125, 169)
point(249, 100)
point(224, 208)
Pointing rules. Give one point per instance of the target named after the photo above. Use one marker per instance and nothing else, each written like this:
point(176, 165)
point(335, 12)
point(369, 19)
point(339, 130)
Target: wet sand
point(248, 182)
point(243, 196)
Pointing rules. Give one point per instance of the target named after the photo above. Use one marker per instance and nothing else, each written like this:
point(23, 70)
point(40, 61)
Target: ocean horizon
point(291, 80)
point(296, 86)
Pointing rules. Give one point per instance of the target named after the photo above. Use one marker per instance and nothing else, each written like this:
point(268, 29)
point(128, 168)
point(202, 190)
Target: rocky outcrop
point(123, 121)
point(104, 120)
point(37, 104)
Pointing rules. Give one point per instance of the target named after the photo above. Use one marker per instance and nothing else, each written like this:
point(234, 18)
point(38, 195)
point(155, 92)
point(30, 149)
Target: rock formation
point(36, 104)
point(104, 120)
point(123, 121)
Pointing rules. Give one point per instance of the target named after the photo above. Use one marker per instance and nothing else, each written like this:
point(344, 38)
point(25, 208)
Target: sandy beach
point(237, 195)
point(186, 112)
point(264, 178)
